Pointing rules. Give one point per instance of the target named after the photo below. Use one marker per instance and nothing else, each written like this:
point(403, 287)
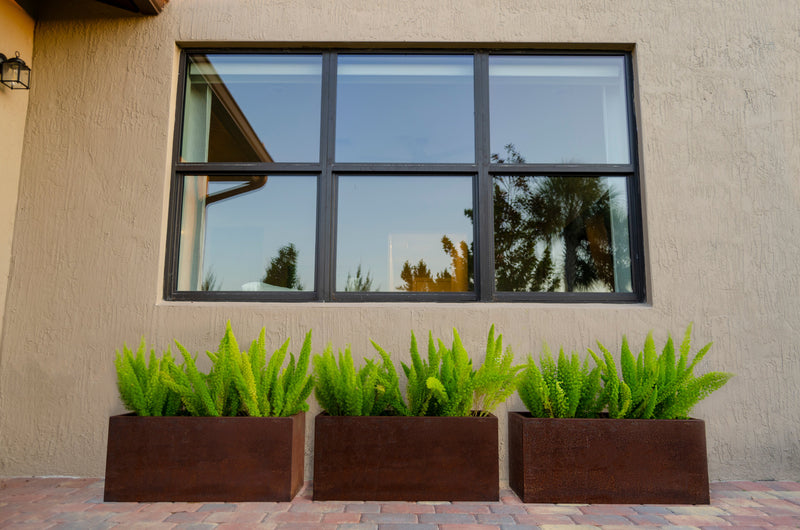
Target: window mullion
point(483, 214)
point(326, 202)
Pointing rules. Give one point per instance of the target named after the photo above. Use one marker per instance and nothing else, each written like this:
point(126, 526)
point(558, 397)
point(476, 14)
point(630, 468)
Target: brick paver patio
point(65, 503)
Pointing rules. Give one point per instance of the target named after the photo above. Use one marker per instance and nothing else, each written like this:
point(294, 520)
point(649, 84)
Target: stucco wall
point(719, 109)
point(16, 35)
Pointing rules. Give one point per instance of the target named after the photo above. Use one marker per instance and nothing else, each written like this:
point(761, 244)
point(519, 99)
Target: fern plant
point(239, 382)
point(141, 388)
point(453, 387)
point(262, 388)
point(616, 394)
point(388, 385)
point(446, 384)
point(373, 390)
point(496, 379)
point(418, 393)
point(566, 389)
point(656, 385)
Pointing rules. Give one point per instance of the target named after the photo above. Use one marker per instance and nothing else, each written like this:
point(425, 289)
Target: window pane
point(561, 234)
point(403, 108)
point(404, 234)
point(558, 110)
point(252, 108)
point(248, 234)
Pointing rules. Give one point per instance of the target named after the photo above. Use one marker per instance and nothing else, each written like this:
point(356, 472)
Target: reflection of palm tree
point(532, 213)
point(516, 237)
point(577, 210)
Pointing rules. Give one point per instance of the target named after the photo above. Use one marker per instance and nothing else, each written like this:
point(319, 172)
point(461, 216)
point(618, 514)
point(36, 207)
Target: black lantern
point(14, 73)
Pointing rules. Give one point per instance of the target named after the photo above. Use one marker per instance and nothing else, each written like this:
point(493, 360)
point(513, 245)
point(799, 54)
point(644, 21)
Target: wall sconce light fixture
point(14, 73)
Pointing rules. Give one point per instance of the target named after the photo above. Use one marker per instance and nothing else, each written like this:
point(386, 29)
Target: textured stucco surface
point(719, 115)
point(16, 35)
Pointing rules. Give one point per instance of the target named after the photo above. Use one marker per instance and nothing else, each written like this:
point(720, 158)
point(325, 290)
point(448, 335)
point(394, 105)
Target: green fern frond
point(140, 384)
point(392, 399)
point(343, 391)
point(695, 391)
point(666, 364)
point(438, 389)
point(130, 387)
point(324, 381)
point(298, 384)
point(659, 387)
point(205, 406)
point(533, 390)
point(562, 389)
point(496, 378)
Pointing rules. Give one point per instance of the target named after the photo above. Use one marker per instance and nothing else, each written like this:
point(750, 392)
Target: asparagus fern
point(239, 382)
point(446, 385)
point(566, 389)
point(655, 385)
point(342, 391)
point(139, 382)
point(443, 384)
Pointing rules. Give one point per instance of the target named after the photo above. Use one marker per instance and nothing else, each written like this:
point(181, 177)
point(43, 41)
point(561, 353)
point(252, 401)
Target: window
point(444, 176)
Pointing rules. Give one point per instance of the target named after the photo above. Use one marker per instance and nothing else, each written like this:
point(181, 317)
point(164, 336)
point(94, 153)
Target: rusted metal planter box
point(391, 458)
point(183, 458)
point(607, 460)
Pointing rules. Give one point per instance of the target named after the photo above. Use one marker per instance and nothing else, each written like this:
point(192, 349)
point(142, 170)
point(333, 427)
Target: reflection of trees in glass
point(580, 209)
point(282, 270)
point(418, 277)
point(209, 282)
point(360, 282)
point(531, 213)
point(517, 266)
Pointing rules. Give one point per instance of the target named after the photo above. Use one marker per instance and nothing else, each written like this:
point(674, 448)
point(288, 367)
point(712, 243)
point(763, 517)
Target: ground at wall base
point(64, 503)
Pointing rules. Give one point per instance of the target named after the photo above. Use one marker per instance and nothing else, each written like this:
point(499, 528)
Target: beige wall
point(16, 35)
point(720, 144)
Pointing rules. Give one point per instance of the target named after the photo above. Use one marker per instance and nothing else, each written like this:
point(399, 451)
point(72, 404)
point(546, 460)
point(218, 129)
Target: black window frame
point(482, 172)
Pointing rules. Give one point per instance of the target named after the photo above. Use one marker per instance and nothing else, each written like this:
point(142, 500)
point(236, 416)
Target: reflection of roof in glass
point(231, 121)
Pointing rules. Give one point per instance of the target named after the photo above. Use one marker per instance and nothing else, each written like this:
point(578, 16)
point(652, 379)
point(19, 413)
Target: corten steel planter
point(604, 460)
point(203, 459)
point(386, 458)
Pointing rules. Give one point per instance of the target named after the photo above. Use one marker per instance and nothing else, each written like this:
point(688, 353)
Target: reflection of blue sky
point(280, 95)
point(559, 109)
point(410, 213)
point(405, 109)
point(244, 233)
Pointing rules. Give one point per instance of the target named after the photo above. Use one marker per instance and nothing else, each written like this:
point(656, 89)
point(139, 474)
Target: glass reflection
point(561, 234)
point(558, 109)
point(405, 108)
point(252, 108)
point(398, 234)
point(248, 234)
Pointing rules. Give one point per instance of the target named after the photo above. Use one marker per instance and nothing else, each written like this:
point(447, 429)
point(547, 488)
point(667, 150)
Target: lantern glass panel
point(16, 74)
